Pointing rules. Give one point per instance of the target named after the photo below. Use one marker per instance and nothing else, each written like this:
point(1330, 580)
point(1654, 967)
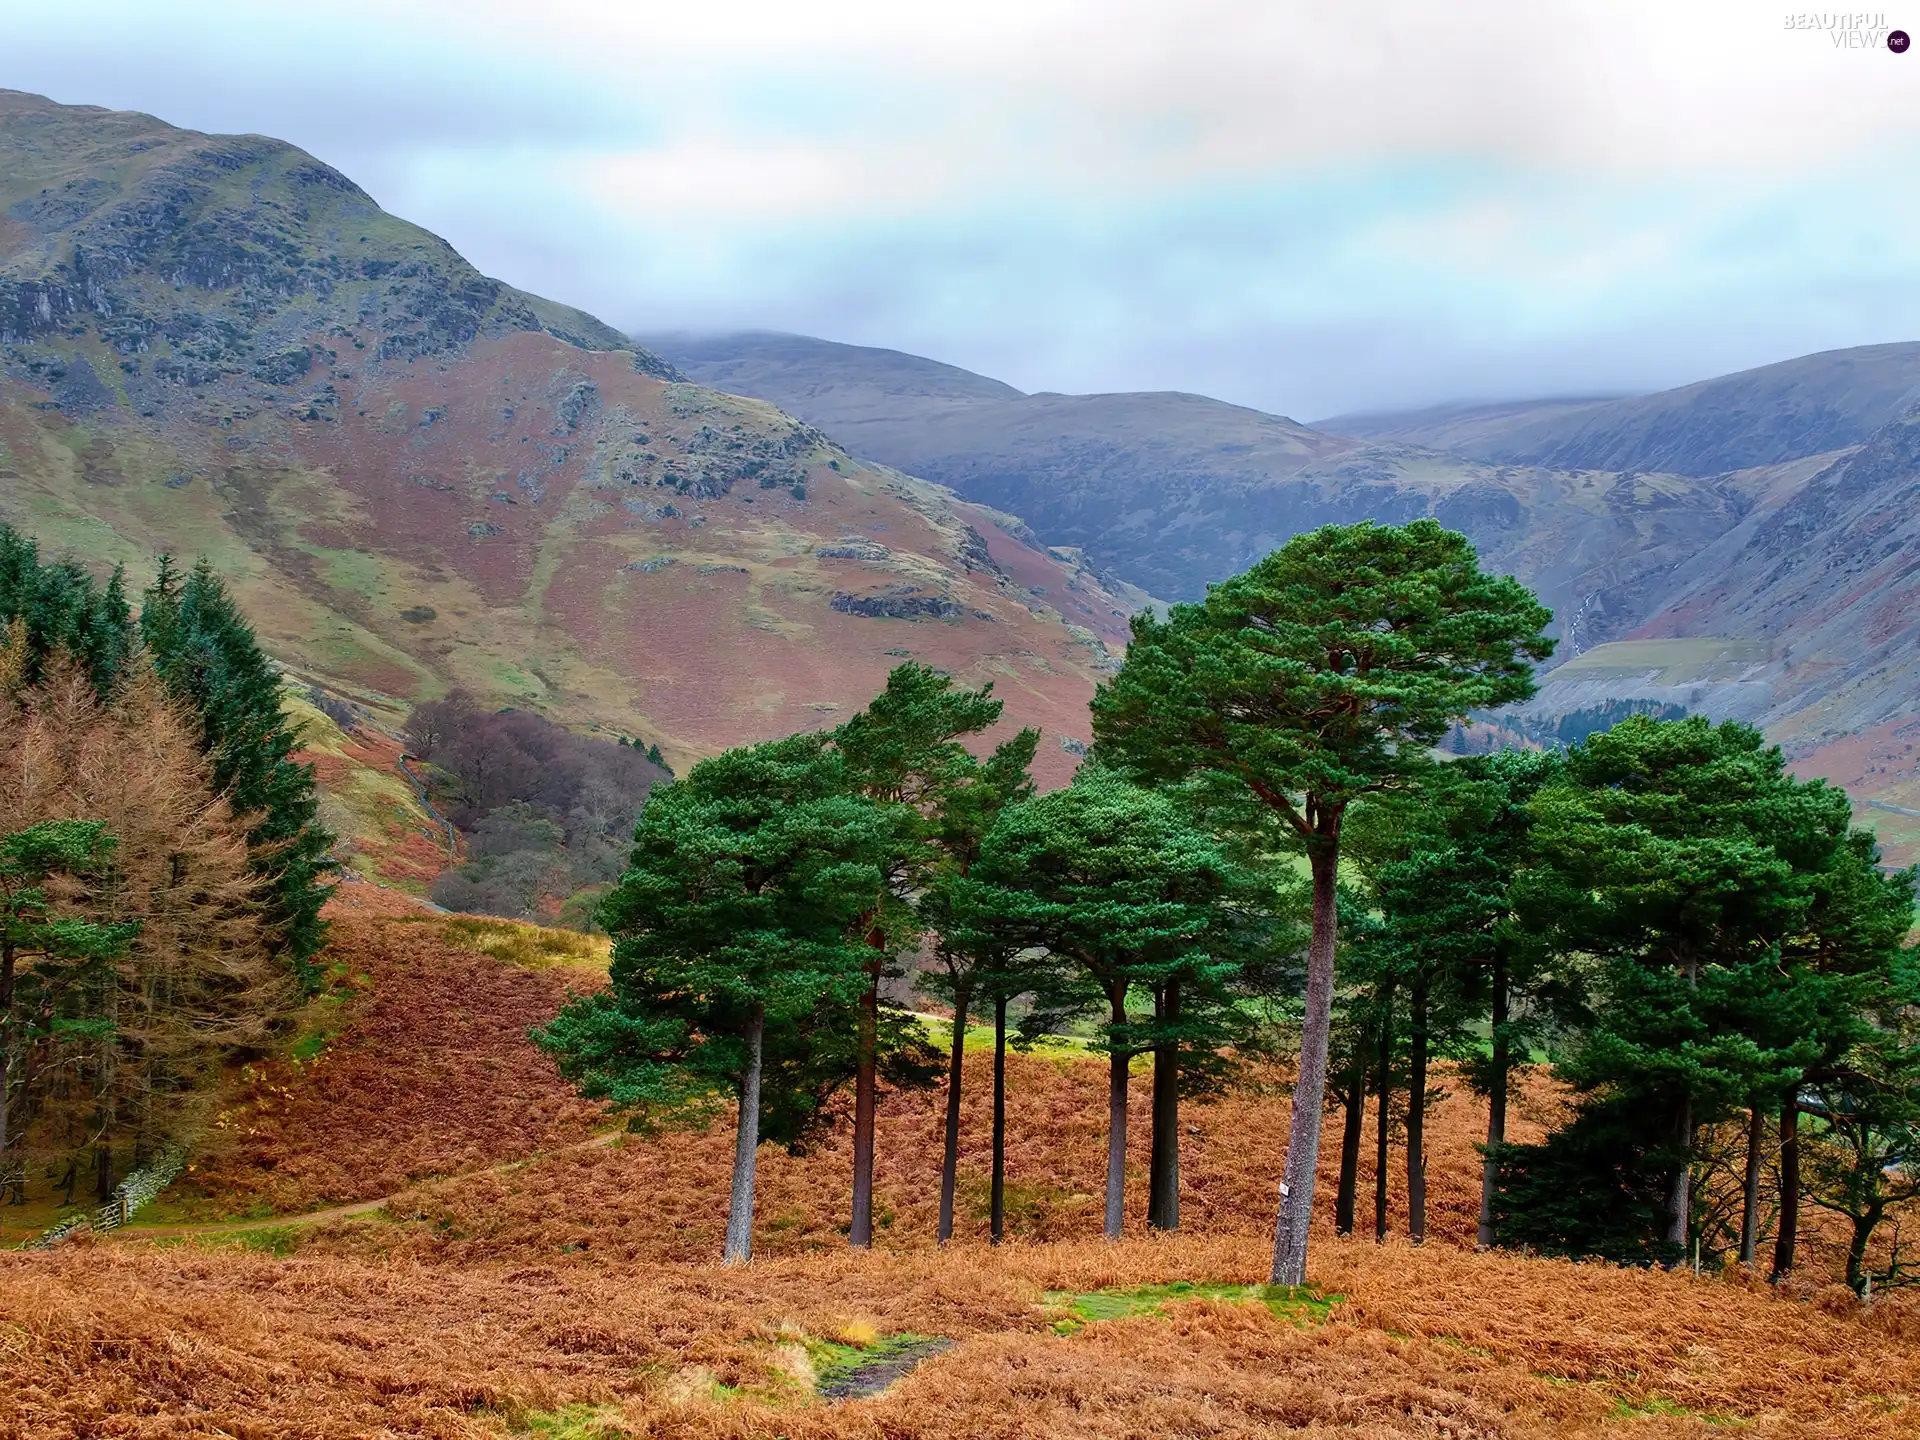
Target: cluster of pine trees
point(1700, 943)
point(161, 869)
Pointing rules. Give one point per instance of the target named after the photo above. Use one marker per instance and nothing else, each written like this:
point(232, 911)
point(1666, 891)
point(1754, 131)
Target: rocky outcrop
point(899, 603)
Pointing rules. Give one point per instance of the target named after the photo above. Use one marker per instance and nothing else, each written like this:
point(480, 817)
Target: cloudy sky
point(1306, 207)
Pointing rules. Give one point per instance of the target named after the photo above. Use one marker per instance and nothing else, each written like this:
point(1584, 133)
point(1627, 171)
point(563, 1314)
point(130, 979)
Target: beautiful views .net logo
point(1852, 30)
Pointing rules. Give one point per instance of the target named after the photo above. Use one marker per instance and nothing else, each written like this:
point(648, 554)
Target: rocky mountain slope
point(416, 477)
point(1172, 491)
point(1459, 426)
point(1777, 413)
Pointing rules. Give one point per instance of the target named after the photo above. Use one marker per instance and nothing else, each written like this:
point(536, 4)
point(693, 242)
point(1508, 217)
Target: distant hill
point(1809, 406)
point(1171, 491)
point(416, 477)
point(1457, 426)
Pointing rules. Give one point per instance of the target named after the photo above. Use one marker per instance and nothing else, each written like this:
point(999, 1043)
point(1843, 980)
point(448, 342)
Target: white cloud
point(1301, 204)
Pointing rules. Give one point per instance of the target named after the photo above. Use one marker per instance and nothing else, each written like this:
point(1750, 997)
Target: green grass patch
point(939, 1029)
point(279, 1241)
point(1301, 1304)
point(532, 947)
point(1625, 1409)
point(573, 1422)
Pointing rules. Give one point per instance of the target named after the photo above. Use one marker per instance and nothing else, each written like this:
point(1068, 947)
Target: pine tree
point(1320, 676)
point(1865, 1163)
point(1679, 869)
point(206, 653)
point(737, 959)
point(904, 752)
point(1118, 882)
point(46, 950)
point(62, 611)
point(973, 964)
point(1441, 861)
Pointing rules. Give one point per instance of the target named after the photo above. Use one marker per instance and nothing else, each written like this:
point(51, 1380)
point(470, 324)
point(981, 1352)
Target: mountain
point(1459, 426)
point(1171, 491)
point(1777, 413)
point(416, 477)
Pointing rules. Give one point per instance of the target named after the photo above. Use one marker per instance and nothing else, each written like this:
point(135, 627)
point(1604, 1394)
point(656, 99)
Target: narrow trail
point(137, 1231)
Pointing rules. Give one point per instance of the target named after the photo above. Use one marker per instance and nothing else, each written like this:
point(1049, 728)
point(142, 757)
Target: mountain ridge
point(416, 478)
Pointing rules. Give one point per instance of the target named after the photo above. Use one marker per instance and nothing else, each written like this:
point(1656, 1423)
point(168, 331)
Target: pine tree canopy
point(206, 653)
point(1326, 671)
point(62, 609)
point(1117, 880)
point(746, 878)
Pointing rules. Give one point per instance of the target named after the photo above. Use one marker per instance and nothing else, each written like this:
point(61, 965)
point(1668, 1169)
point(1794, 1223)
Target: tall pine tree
point(206, 653)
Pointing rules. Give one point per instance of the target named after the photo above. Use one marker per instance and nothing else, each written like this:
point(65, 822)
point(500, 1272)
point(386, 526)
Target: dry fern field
point(509, 1263)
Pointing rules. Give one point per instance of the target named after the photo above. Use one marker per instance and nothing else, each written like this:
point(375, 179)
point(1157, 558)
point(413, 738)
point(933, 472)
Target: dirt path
point(137, 1231)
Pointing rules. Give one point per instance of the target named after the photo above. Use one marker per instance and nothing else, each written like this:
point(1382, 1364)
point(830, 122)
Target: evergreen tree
point(46, 950)
point(1117, 880)
point(737, 957)
point(1866, 1160)
point(62, 610)
point(1837, 968)
point(973, 963)
point(1442, 860)
point(1678, 863)
point(1321, 676)
point(206, 653)
point(904, 752)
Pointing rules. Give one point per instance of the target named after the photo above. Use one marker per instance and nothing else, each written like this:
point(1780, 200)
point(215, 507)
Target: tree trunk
point(1310, 1088)
point(1116, 1120)
point(1750, 1206)
point(1417, 1115)
point(746, 1149)
point(12, 1188)
point(997, 1220)
point(1163, 1170)
point(1680, 1186)
point(1355, 1103)
point(1864, 1225)
point(1788, 1237)
point(1383, 1083)
point(1496, 1106)
point(950, 1161)
point(860, 1230)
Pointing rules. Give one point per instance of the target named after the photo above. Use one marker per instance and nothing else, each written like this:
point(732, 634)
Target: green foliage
point(206, 653)
point(1864, 1159)
point(746, 880)
point(1717, 930)
point(1298, 1303)
point(1440, 863)
point(32, 931)
point(47, 951)
point(1596, 1186)
point(1118, 882)
point(1324, 672)
point(64, 610)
